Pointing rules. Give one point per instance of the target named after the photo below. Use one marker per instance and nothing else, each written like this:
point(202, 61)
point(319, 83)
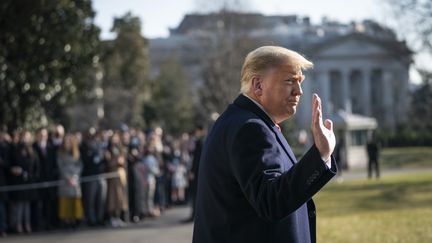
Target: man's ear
point(256, 85)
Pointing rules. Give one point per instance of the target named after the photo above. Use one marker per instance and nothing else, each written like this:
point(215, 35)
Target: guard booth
point(352, 131)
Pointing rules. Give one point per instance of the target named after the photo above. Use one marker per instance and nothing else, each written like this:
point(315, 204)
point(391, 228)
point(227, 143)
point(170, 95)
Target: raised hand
point(322, 133)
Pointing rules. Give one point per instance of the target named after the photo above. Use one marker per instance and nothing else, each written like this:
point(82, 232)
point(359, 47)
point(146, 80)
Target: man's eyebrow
point(297, 76)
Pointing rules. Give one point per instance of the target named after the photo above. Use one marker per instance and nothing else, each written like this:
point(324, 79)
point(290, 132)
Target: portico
point(361, 84)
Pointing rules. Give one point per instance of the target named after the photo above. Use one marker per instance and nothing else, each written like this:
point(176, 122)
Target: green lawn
point(393, 209)
point(406, 157)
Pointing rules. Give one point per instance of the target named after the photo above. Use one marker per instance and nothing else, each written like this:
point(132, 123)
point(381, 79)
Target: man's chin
point(290, 113)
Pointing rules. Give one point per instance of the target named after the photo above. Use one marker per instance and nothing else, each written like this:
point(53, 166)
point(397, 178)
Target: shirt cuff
point(328, 163)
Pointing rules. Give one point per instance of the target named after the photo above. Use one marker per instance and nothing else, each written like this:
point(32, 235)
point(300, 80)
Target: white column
point(367, 91)
point(404, 95)
point(346, 97)
point(388, 98)
point(325, 92)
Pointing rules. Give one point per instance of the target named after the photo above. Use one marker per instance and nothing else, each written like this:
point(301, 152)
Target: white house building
point(360, 69)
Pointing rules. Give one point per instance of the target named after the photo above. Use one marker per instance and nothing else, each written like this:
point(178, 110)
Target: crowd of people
point(53, 179)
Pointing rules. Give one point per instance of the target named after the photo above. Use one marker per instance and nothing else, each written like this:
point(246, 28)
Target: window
point(358, 137)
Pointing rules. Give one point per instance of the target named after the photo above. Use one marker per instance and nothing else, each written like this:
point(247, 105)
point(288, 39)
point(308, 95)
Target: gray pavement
point(165, 229)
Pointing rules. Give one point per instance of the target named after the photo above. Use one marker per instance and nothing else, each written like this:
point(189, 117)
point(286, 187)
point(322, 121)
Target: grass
point(407, 157)
point(395, 158)
point(393, 209)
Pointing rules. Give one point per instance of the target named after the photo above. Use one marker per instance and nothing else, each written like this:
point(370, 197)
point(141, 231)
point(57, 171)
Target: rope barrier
point(48, 184)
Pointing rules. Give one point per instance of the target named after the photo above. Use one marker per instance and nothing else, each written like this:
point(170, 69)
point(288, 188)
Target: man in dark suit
point(193, 174)
point(251, 188)
point(44, 209)
point(372, 148)
point(4, 167)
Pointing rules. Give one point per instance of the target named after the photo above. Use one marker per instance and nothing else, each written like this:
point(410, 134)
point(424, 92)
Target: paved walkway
point(166, 229)
point(362, 174)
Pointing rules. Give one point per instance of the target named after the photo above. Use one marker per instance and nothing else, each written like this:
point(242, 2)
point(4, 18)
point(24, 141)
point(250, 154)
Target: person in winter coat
point(70, 166)
point(4, 167)
point(117, 194)
point(24, 170)
point(151, 171)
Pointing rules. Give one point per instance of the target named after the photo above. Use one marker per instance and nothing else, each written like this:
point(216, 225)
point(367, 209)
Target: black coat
point(27, 159)
point(48, 169)
point(92, 158)
point(195, 162)
point(251, 188)
point(4, 167)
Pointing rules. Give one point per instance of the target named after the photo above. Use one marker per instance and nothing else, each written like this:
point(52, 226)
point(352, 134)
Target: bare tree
point(225, 49)
point(414, 18)
point(413, 22)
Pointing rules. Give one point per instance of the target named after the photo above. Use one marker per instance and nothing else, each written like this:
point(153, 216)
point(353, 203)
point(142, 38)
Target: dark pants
point(38, 220)
point(167, 190)
point(94, 197)
point(373, 165)
point(3, 217)
point(44, 210)
point(193, 192)
point(21, 213)
point(49, 200)
point(159, 198)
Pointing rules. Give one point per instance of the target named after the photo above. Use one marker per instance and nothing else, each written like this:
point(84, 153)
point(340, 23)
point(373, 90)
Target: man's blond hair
point(263, 58)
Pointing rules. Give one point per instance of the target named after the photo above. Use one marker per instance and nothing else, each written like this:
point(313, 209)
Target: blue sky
point(157, 16)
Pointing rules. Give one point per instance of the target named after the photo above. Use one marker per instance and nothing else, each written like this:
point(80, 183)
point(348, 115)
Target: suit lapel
point(281, 139)
point(245, 103)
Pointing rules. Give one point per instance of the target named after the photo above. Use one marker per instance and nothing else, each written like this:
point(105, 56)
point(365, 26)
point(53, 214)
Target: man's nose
point(298, 89)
